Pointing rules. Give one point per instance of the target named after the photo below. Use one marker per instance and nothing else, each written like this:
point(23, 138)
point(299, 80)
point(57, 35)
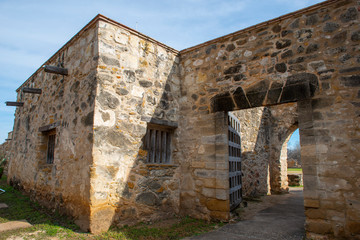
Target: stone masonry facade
point(300, 70)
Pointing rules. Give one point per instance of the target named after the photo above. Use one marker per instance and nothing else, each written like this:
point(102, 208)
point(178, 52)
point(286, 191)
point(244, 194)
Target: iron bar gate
point(235, 181)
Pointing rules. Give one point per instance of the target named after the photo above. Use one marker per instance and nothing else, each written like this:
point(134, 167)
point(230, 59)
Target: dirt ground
point(258, 204)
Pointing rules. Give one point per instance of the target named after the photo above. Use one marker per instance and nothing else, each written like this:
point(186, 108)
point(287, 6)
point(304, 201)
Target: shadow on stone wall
point(152, 191)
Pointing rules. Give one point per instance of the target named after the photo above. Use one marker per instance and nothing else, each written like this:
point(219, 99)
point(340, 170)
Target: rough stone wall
point(5, 149)
point(138, 82)
point(283, 121)
point(68, 101)
point(5, 153)
point(255, 150)
point(268, 64)
point(265, 132)
point(310, 56)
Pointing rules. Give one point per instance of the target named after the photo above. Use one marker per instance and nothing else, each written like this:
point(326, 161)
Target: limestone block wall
point(138, 82)
point(204, 154)
point(311, 52)
point(68, 102)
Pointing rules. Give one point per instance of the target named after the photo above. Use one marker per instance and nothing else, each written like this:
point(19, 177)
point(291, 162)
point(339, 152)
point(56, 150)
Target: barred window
point(51, 147)
point(158, 145)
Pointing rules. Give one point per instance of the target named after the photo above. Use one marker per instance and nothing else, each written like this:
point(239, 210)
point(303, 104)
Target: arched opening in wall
point(254, 152)
point(294, 167)
point(264, 136)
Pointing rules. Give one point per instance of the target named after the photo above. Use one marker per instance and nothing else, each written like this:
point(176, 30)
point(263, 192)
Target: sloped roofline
point(263, 24)
point(96, 19)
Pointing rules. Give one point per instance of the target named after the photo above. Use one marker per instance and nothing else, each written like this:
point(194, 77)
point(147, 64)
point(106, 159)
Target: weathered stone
point(195, 97)
point(129, 76)
point(297, 60)
point(339, 38)
point(286, 32)
point(232, 70)
point(351, 81)
point(286, 54)
point(230, 47)
point(297, 67)
point(239, 77)
point(218, 205)
point(256, 99)
point(349, 15)
point(312, 19)
point(355, 36)
point(312, 48)
point(295, 92)
point(208, 50)
point(349, 70)
point(241, 42)
point(107, 100)
point(88, 120)
point(300, 49)
point(273, 96)
point(222, 102)
point(147, 198)
point(301, 78)
point(283, 43)
point(303, 34)
point(331, 27)
point(276, 28)
point(110, 61)
point(240, 99)
point(319, 227)
point(311, 203)
point(295, 24)
point(103, 78)
point(145, 83)
point(122, 91)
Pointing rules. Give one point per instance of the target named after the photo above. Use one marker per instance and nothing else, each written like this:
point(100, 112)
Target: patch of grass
point(48, 224)
point(294, 169)
point(185, 227)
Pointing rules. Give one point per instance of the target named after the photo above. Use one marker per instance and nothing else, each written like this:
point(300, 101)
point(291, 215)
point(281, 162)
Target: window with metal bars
point(158, 145)
point(51, 148)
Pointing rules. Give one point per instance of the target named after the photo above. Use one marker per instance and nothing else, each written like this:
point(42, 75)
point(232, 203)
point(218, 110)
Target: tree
point(294, 154)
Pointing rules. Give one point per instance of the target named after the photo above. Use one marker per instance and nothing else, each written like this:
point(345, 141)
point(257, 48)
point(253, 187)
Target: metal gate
point(234, 161)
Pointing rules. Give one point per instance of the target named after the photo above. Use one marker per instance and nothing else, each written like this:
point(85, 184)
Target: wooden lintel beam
point(49, 127)
point(14, 104)
point(32, 90)
point(56, 70)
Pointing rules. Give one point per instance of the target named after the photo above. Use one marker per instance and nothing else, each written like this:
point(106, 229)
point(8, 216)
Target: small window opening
point(158, 145)
point(51, 147)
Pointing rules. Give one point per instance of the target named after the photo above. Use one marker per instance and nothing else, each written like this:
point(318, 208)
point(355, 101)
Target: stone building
point(119, 127)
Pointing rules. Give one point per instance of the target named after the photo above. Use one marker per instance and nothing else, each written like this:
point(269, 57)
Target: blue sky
point(294, 139)
point(32, 31)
